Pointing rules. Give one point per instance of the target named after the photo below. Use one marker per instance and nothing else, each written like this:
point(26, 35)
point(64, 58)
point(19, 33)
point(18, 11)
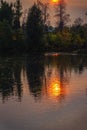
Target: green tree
point(35, 28)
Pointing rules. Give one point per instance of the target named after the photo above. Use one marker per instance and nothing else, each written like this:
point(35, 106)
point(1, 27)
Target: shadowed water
point(43, 92)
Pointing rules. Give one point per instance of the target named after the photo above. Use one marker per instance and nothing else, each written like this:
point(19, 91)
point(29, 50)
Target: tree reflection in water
point(35, 74)
point(47, 76)
point(10, 81)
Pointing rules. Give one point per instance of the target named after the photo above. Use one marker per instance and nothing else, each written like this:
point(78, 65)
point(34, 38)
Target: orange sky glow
point(76, 8)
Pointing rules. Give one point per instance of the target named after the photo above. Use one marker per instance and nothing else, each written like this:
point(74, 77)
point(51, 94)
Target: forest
point(34, 34)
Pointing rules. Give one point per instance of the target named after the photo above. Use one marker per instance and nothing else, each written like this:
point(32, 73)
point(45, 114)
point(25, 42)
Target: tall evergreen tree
point(35, 28)
point(17, 14)
point(62, 16)
point(44, 6)
point(6, 12)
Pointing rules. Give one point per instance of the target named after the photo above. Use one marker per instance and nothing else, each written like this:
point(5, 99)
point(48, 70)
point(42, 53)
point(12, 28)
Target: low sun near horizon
point(55, 1)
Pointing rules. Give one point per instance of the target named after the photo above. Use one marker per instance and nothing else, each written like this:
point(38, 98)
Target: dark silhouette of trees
point(11, 33)
point(62, 17)
point(78, 33)
point(6, 21)
point(35, 35)
point(10, 78)
point(44, 6)
point(35, 28)
point(5, 36)
point(6, 12)
point(35, 74)
point(78, 22)
point(17, 13)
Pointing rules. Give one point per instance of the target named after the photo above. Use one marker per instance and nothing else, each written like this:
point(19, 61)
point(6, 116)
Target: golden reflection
point(55, 89)
point(54, 86)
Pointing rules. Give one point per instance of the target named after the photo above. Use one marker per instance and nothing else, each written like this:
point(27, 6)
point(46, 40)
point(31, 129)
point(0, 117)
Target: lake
point(43, 92)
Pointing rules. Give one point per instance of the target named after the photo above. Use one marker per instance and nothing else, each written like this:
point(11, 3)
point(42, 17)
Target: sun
point(55, 1)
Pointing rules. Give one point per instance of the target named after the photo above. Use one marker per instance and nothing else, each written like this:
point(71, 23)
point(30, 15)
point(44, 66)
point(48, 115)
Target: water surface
point(43, 92)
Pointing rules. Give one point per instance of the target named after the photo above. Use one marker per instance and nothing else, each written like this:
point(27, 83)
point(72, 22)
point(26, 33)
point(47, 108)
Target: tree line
point(35, 34)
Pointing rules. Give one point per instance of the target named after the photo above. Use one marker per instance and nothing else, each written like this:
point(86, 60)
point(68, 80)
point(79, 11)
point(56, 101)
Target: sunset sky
point(76, 8)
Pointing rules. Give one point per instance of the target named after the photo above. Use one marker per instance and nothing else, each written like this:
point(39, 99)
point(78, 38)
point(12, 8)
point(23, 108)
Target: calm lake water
point(43, 92)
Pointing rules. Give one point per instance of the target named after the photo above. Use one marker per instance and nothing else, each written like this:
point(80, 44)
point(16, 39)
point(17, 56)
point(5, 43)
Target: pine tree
point(35, 28)
point(62, 16)
point(17, 14)
point(6, 12)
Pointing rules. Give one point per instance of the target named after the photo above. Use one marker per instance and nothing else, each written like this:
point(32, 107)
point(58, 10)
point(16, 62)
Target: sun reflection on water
point(55, 89)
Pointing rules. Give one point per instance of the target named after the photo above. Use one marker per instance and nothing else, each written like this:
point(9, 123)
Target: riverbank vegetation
point(33, 34)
